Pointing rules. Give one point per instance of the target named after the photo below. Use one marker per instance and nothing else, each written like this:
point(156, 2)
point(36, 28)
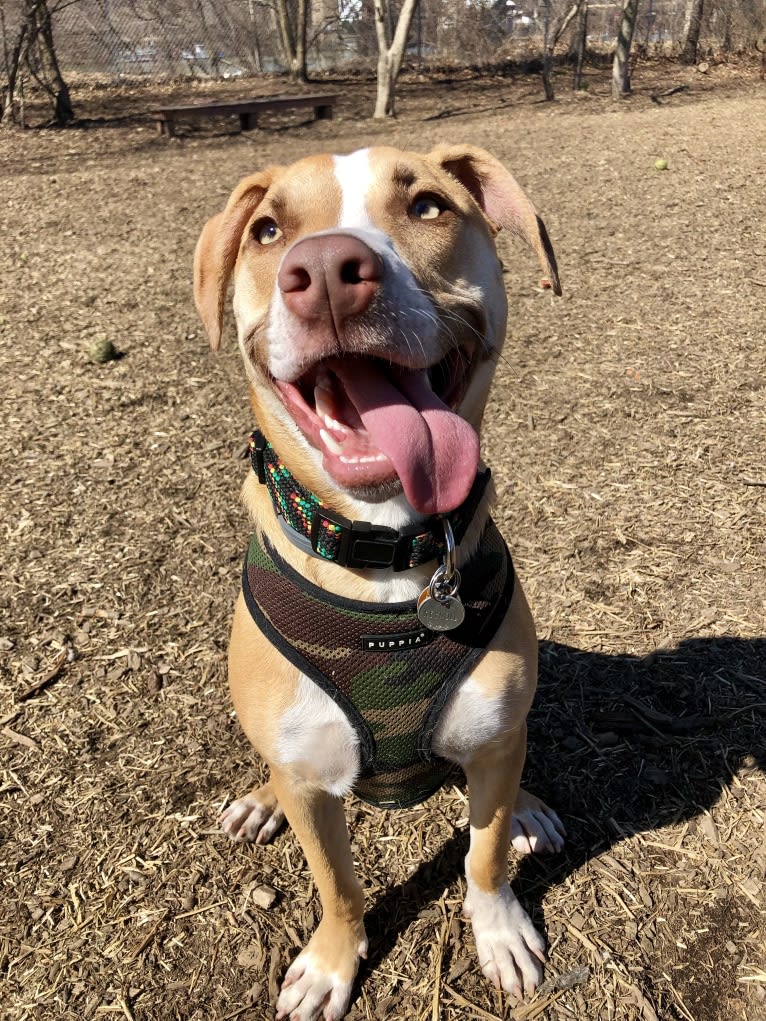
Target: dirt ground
point(626, 432)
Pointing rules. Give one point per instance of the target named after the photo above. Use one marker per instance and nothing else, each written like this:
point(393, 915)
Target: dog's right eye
point(427, 207)
point(266, 232)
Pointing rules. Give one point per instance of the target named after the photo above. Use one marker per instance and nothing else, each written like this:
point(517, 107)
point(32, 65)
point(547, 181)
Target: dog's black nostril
point(296, 279)
point(350, 272)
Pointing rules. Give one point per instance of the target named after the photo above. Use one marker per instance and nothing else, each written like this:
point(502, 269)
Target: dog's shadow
point(617, 745)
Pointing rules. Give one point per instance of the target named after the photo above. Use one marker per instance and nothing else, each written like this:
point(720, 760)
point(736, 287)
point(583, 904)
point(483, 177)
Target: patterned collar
point(356, 544)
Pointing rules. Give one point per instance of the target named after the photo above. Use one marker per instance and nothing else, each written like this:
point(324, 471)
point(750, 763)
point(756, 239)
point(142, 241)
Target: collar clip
point(363, 544)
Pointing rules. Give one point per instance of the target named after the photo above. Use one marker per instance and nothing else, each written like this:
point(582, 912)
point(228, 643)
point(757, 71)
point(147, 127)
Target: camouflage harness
point(391, 676)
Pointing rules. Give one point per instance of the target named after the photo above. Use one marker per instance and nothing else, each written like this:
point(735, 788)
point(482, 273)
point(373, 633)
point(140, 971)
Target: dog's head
point(370, 312)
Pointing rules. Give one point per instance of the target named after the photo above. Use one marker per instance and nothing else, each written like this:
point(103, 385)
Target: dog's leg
point(509, 947)
point(319, 980)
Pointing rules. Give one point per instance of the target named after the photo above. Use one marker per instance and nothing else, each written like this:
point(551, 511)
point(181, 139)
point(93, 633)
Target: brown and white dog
point(371, 312)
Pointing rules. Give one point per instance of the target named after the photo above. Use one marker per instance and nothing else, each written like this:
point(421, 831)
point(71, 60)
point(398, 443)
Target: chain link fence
point(127, 38)
point(121, 39)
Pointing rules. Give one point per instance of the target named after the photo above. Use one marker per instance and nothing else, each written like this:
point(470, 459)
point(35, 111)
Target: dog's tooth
point(330, 442)
point(324, 405)
point(335, 425)
point(323, 395)
point(324, 408)
point(350, 460)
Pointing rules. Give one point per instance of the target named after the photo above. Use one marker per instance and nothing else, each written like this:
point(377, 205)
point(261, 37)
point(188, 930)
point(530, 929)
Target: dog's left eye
point(267, 232)
point(427, 207)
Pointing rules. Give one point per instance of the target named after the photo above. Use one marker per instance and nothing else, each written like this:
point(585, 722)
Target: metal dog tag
point(439, 607)
point(440, 614)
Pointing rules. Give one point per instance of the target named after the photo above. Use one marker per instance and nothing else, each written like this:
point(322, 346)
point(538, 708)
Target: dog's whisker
point(498, 356)
point(467, 325)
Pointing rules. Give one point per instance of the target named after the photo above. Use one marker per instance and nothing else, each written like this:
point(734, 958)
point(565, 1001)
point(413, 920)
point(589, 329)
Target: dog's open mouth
point(374, 421)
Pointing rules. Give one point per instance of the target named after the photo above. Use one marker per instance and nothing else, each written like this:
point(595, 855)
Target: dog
point(381, 638)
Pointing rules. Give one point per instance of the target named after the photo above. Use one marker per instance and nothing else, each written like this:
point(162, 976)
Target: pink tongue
point(434, 451)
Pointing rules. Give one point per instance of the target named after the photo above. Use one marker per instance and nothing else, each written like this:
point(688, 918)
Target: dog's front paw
point(318, 982)
point(510, 949)
point(255, 818)
point(535, 827)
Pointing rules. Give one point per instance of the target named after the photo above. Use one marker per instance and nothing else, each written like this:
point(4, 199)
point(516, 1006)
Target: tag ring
point(442, 586)
point(446, 579)
point(450, 569)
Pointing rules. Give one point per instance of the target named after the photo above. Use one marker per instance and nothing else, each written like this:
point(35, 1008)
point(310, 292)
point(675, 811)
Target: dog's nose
point(331, 275)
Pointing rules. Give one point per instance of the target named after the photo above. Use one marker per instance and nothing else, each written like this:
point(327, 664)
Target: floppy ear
point(216, 253)
point(501, 198)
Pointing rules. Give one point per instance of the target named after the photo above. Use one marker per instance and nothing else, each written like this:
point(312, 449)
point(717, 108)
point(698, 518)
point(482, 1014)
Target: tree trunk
point(255, 49)
point(390, 53)
point(581, 42)
point(547, 53)
point(621, 65)
point(301, 29)
point(293, 38)
point(551, 36)
point(384, 100)
point(13, 64)
point(49, 65)
point(692, 26)
point(34, 52)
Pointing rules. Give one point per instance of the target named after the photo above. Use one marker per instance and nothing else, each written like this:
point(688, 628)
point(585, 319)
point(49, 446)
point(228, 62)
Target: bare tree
point(547, 52)
point(292, 19)
point(43, 62)
point(621, 64)
point(33, 54)
point(391, 46)
point(13, 69)
point(580, 45)
point(551, 35)
point(691, 33)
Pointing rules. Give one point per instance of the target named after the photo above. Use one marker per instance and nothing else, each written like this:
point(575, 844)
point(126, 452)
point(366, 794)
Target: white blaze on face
point(355, 178)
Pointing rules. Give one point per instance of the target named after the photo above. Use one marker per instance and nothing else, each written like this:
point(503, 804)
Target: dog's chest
point(380, 679)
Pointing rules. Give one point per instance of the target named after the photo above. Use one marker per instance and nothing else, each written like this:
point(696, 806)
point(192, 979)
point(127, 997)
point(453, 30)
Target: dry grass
point(626, 432)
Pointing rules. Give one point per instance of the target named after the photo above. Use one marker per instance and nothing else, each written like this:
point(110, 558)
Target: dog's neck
point(388, 561)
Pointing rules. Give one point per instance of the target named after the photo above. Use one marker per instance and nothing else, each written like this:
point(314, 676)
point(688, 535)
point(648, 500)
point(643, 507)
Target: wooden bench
point(247, 110)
